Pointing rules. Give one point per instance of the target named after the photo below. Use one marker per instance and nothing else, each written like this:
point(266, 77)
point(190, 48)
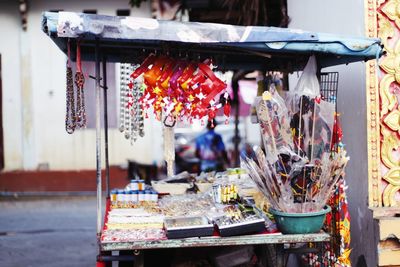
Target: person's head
point(211, 124)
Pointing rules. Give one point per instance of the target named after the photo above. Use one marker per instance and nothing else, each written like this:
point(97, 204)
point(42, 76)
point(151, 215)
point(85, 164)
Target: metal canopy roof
point(129, 39)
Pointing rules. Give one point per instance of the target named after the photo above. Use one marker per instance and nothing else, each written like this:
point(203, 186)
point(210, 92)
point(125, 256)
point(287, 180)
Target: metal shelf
point(215, 241)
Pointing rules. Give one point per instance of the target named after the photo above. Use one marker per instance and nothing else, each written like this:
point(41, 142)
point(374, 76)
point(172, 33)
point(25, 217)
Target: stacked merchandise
point(124, 225)
point(298, 172)
point(134, 214)
point(134, 193)
point(239, 220)
point(133, 218)
point(304, 160)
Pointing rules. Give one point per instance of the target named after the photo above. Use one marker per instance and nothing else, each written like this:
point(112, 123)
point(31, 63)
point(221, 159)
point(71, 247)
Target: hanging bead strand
point(140, 112)
point(80, 96)
point(131, 112)
point(122, 93)
point(134, 126)
point(127, 104)
point(70, 116)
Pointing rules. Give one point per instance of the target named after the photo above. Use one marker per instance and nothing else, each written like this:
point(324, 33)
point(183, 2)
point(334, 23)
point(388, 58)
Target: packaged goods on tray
point(129, 235)
point(225, 193)
point(187, 205)
point(181, 227)
point(237, 222)
point(134, 219)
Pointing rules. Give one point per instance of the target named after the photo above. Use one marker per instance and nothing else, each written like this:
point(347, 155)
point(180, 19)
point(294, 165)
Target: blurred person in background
point(210, 149)
point(248, 152)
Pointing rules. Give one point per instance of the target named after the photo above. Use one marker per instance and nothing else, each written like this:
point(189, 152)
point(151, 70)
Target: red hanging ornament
point(337, 134)
point(211, 114)
point(227, 108)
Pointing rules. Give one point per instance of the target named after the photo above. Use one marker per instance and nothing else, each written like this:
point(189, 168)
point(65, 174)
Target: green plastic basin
point(300, 223)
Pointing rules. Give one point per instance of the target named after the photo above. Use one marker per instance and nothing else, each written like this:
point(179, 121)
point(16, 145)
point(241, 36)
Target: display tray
point(183, 227)
point(242, 228)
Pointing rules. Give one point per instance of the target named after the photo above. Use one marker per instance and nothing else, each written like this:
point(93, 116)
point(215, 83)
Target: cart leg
point(139, 259)
point(98, 141)
point(100, 262)
point(98, 150)
point(108, 263)
point(129, 258)
point(105, 106)
point(269, 255)
point(280, 255)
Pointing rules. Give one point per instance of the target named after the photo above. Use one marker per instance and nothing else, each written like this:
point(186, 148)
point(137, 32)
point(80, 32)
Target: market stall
point(176, 63)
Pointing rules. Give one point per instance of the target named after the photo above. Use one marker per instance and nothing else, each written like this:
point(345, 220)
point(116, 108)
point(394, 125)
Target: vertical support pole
point(280, 255)
point(236, 139)
point(139, 259)
point(98, 139)
point(1, 124)
point(105, 89)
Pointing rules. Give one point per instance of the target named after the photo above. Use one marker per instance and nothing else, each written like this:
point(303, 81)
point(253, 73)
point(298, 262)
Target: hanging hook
point(171, 123)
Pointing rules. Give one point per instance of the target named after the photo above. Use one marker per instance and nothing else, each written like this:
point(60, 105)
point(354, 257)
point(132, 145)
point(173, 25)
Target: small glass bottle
point(141, 196)
point(130, 197)
point(134, 185)
point(140, 185)
point(154, 196)
point(135, 196)
point(113, 195)
point(147, 195)
point(125, 197)
point(120, 195)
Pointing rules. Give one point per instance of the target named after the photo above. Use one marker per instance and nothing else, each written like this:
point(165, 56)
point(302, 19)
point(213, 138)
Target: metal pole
point(236, 139)
point(105, 89)
point(98, 138)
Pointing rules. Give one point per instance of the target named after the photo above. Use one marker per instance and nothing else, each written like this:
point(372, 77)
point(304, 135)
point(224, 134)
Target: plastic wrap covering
point(169, 149)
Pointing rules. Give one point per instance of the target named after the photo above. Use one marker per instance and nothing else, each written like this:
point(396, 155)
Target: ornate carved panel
point(383, 103)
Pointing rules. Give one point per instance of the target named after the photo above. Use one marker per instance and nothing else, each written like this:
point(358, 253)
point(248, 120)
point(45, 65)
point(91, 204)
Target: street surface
point(48, 232)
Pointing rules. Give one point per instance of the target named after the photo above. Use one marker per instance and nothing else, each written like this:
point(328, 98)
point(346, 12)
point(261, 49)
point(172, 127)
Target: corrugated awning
point(129, 39)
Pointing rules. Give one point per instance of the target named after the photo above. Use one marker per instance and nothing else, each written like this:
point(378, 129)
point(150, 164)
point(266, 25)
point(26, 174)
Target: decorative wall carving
point(383, 103)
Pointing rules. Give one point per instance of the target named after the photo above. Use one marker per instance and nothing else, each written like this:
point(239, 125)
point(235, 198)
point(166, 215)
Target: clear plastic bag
point(275, 125)
point(323, 116)
point(169, 149)
point(308, 85)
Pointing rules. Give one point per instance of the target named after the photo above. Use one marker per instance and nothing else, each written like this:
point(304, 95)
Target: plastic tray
point(247, 227)
point(183, 227)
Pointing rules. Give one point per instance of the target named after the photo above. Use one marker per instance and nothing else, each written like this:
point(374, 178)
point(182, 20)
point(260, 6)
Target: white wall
point(40, 138)
point(345, 17)
point(10, 54)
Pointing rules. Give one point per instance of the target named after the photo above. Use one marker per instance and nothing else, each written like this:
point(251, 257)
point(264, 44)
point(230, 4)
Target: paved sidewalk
point(47, 232)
